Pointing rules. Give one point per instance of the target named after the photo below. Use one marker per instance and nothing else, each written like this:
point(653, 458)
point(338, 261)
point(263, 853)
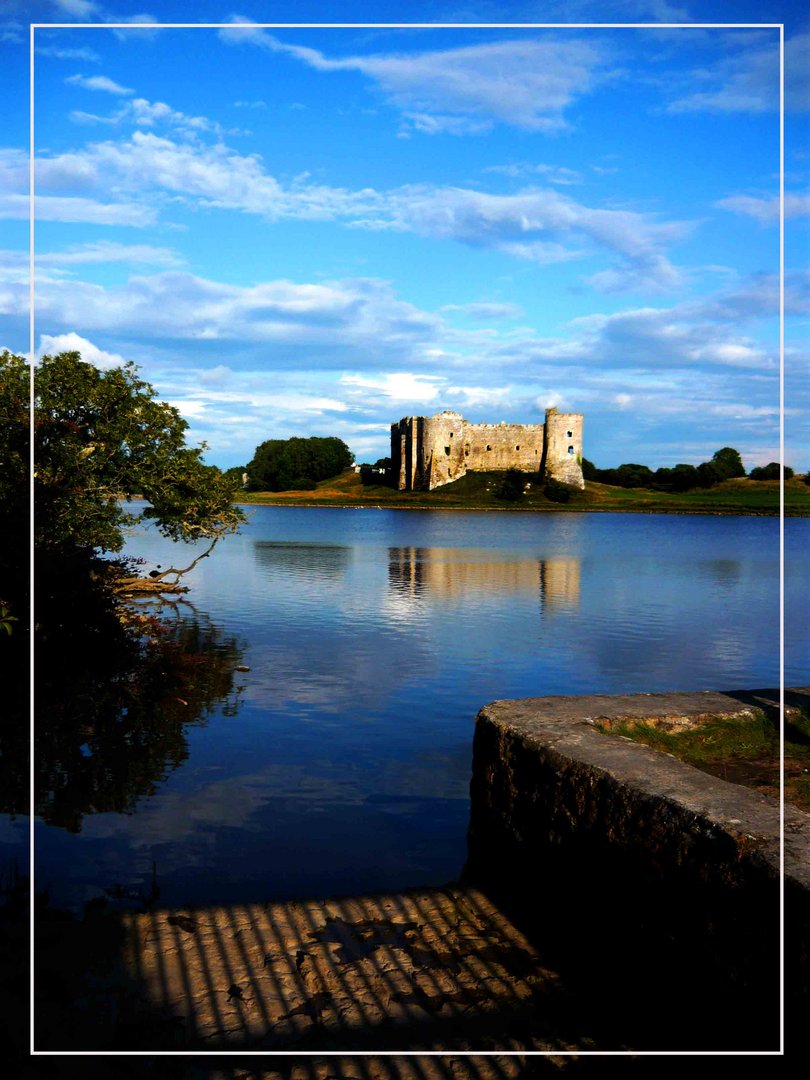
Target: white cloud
point(551, 399)
point(79, 9)
point(135, 21)
point(356, 314)
point(148, 113)
point(107, 251)
point(68, 54)
point(76, 210)
point(92, 11)
point(144, 113)
point(399, 386)
point(51, 344)
point(734, 354)
point(631, 10)
point(81, 116)
point(13, 171)
point(480, 397)
point(351, 351)
point(745, 81)
point(525, 83)
point(51, 208)
point(797, 73)
point(766, 210)
point(99, 82)
point(528, 225)
point(553, 174)
point(540, 225)
point(486, 311)
point(12, 33)
point(436, 123)
point(14, 265)
point(213, 174)
point(217, 376)
point(701, 334)
point(744, 411)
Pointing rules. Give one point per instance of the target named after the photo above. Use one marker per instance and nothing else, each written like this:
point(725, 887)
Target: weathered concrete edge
point(566, 725)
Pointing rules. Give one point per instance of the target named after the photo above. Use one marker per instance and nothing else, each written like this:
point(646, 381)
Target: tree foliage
point(101, 437)
point(513, 486)
point(725, 464)
point(14, 454)
point(728, 463)
point(589, 470)
point(284, 464)
point(678, 478)
point(104, 679)
point(771, 471)
point(556, 491)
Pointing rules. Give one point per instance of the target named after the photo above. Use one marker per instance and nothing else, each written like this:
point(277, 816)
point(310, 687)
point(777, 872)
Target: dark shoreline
point(556, 509)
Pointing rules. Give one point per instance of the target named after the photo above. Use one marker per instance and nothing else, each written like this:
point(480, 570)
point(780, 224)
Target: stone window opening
point(517, 447)
point(570, 434)
point(489, 447)
point(447, 450)
point(451, 434)
point(570, 449)
point(466, 453)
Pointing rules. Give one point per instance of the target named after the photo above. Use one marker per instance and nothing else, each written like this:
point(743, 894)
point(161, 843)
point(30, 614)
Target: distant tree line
point(725, 464)
point(296, 464)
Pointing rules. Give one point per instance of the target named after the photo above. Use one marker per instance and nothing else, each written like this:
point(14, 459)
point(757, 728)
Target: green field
point(476, 491)
point(742, 750)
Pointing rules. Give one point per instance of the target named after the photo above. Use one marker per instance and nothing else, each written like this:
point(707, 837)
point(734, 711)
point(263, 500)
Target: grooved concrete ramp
point(423, 969)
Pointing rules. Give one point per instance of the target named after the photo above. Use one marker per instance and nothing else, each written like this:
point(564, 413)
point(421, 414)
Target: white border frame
point(428, 26)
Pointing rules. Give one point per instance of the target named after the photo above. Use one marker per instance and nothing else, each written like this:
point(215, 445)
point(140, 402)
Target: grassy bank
point(476, 491)
point(743, 750)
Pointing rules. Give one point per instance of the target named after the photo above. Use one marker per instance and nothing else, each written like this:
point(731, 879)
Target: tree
point(633, 475)
point(14, 506)
point(557, 491)
point(281, 464)
point(589, 470)
point(513, 486)
point(708, 474)
point(771, 471)
point(728, 463)
point(679, 478)
point(102, 437)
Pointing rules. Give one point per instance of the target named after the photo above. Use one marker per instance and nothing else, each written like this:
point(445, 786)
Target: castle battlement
point(429, 451)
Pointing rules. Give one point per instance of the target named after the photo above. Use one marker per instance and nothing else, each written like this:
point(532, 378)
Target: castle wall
point(428, 452)
point(563, 457)
point(443, 448)
point(504, 446)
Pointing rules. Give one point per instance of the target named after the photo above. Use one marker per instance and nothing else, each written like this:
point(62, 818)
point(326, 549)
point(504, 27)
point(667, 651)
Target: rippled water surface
point(372, 638)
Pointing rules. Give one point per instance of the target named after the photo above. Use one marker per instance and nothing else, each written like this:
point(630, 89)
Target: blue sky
point(308, 231)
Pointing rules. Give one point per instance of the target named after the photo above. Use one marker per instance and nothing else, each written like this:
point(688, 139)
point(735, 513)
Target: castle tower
point(563, 447)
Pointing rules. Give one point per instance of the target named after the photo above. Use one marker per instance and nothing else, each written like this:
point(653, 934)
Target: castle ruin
point(429, 451)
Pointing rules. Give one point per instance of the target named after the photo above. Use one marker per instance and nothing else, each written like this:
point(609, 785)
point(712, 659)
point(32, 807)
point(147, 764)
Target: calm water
point(373, 637)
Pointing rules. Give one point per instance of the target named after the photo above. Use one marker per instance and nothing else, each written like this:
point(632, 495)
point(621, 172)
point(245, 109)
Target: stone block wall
point(654, 887)
point(563, 447)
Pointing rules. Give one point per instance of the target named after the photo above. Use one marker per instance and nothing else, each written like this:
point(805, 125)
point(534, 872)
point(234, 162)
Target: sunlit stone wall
point(428, 452)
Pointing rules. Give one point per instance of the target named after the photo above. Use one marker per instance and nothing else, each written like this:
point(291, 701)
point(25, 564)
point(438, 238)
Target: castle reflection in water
point(450, 572)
